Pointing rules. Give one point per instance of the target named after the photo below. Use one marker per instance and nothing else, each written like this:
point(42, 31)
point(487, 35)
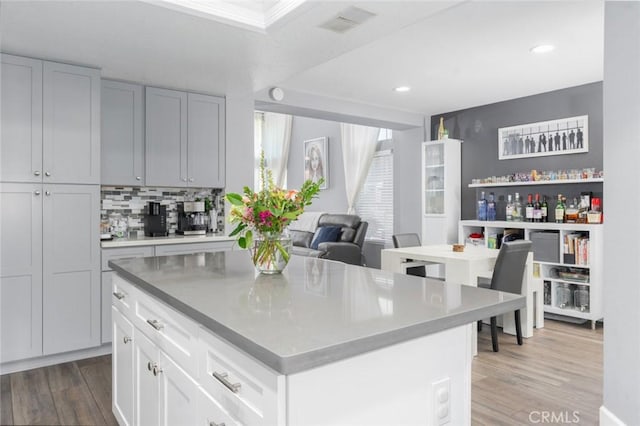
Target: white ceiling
point(453, 54)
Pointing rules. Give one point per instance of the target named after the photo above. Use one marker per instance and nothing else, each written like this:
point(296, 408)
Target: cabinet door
point(206, 141)
point(71, 117)
point(105, 303)
point(20, 271)
point(166, 138)
point(71, 267)
point(146, 386)
point(178, 394)
point(123, 374)
point(210, 413)
point(122, 131)
point(21, 130)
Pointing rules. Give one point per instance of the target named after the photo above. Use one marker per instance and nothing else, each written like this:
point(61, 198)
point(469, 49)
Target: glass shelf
point(537, 182)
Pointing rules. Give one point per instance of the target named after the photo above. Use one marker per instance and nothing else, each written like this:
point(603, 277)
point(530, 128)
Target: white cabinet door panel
point(20, 271)
point(71, 117)
point(178, 394)
point(123, 374)
point(71, 267)
point(21, 130)
point(206, 118)
point(147, 386)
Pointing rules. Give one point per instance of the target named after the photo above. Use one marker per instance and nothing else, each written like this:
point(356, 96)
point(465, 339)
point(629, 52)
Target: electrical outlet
point(441, 391)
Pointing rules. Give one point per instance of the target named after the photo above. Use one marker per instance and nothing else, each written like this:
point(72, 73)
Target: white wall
point(621, 248)
point(407, 164)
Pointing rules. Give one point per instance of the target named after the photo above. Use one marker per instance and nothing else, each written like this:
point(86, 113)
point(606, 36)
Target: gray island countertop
point(316, 312)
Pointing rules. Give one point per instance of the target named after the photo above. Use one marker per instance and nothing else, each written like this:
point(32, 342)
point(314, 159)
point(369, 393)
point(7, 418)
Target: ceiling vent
point(347, 20)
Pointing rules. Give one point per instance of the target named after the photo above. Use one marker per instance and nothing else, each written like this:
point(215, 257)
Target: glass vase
point(271, 252)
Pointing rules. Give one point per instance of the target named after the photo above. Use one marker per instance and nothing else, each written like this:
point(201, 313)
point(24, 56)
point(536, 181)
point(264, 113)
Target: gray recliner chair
point(348, 247)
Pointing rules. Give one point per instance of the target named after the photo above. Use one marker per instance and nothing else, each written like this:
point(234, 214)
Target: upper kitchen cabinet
point(122, 134)
point(71, 118)
point(50, 122)
point(21, 129)
point(184, 139)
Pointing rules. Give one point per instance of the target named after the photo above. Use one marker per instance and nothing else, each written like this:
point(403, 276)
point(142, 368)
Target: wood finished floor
point(558, 371)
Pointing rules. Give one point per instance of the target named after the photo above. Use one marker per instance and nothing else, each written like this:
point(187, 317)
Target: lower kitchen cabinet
point(123, 371)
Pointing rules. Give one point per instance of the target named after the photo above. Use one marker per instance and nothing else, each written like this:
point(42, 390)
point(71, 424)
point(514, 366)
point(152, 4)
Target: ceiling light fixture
point(402, 89)
point(542, 48)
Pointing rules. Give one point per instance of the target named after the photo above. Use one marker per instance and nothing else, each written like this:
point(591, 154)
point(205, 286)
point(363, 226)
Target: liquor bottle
point(529, 209)
point(481, 211)
point(509, 209)
point(544, 208)
point(537, 209)
point(491, 207)
point(559, 210)
point(517, 209)
point(441, 129)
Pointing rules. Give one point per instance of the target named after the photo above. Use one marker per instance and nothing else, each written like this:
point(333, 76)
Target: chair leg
point(480, 325)
point(494, 333)
point(518, 327)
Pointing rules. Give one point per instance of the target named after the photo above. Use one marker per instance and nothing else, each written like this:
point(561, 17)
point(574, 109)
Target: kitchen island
point(202, 339)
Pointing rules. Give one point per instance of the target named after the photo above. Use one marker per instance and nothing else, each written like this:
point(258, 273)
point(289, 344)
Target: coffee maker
point(155, 221)
point(192, 220)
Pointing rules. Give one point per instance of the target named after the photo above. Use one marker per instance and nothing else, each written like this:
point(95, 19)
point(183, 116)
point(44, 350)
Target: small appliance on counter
point(155, 221)
point(192, 219)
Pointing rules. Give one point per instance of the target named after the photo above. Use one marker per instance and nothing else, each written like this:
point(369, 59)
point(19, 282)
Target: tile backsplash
point(131, 203)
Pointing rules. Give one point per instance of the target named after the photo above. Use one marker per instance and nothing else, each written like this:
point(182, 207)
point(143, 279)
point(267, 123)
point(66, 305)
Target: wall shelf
point(537, 182)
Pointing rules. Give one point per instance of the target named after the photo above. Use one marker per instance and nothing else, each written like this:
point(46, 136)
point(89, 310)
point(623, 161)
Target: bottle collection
point(577, 210)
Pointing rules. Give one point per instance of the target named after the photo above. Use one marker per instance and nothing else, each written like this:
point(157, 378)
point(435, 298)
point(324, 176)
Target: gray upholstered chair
point(507, 276)
point(410, 240)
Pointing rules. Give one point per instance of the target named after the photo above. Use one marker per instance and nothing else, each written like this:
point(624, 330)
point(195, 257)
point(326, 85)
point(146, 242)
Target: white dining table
point(464, 268)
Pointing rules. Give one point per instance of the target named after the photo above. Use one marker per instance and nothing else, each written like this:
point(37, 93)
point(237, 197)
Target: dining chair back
point(410, 240)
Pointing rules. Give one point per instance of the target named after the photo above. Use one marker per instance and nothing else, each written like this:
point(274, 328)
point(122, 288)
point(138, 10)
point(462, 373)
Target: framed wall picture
point(316, 164)
point(554, 137)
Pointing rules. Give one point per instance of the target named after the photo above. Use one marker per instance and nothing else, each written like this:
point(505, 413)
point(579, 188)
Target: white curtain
point(275, 137)
point(358, 148)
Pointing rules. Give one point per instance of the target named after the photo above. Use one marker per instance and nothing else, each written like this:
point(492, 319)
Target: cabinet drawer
point(123, 295)
point(243, 388)
point(209, 412)
point(167, 250)
point(122, 253)
point(170, 330)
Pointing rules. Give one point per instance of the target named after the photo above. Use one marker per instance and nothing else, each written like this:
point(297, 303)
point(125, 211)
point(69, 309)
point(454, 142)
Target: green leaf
point(238, 229)
point(249, 238)
point(242, 242)
point(235, 199)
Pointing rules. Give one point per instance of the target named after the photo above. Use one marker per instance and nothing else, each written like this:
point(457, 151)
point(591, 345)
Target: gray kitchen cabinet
point(50, 122)
point(122, 134)
point(71, 124)
point(71, 267)
point(166, 138)
point(185, 139)
point(206, 135)
point(20, 271)
point(21, 129)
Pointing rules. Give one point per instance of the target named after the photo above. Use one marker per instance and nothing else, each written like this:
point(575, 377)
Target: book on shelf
point(576, 248)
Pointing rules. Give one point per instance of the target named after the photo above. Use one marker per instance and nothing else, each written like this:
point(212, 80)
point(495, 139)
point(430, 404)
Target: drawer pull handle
point(126, 339)
point(156, 370)
point(118, 295)
point(222, 378)
point(216, 424)
point(155, 324)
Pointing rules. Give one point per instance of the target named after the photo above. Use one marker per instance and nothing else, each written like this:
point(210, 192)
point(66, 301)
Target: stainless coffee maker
point(192, 219)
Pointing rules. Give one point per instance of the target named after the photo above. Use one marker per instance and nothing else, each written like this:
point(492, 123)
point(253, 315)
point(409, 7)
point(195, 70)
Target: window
point(375, 202)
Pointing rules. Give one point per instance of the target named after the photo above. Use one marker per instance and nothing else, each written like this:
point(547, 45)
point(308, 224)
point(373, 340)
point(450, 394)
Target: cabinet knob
point(191, 179)
point(216, 424)
point(156, 370)
point(138, 177)
point(151, 365)
point(37, 192)
point(47, 173)
point(36, 173)
point(126, 339)
point(47, 193)
point(184, 179)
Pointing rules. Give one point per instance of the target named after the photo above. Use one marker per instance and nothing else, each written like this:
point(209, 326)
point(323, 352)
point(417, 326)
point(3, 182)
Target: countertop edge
point(333, 353)
point(158, 241)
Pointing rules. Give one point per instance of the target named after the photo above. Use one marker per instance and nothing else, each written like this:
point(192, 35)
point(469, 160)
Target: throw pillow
point(325, 234)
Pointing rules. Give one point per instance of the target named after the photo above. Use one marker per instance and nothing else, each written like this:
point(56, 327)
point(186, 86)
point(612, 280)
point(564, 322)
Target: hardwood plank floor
point(558, 371)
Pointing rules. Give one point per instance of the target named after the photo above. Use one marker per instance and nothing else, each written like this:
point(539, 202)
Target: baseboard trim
point(607, 418)
point(45, 361)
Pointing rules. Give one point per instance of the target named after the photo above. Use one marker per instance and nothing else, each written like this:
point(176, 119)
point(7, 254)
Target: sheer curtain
point(273, 135)
point(358, 148)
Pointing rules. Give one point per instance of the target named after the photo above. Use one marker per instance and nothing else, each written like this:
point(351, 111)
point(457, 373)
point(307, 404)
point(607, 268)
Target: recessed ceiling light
point(543, 48)
point(402, 89)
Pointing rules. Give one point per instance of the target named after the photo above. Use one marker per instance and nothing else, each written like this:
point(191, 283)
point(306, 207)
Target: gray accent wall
point(407, 166)
point(478, 128)
point(334, 198)
point(621, 248)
